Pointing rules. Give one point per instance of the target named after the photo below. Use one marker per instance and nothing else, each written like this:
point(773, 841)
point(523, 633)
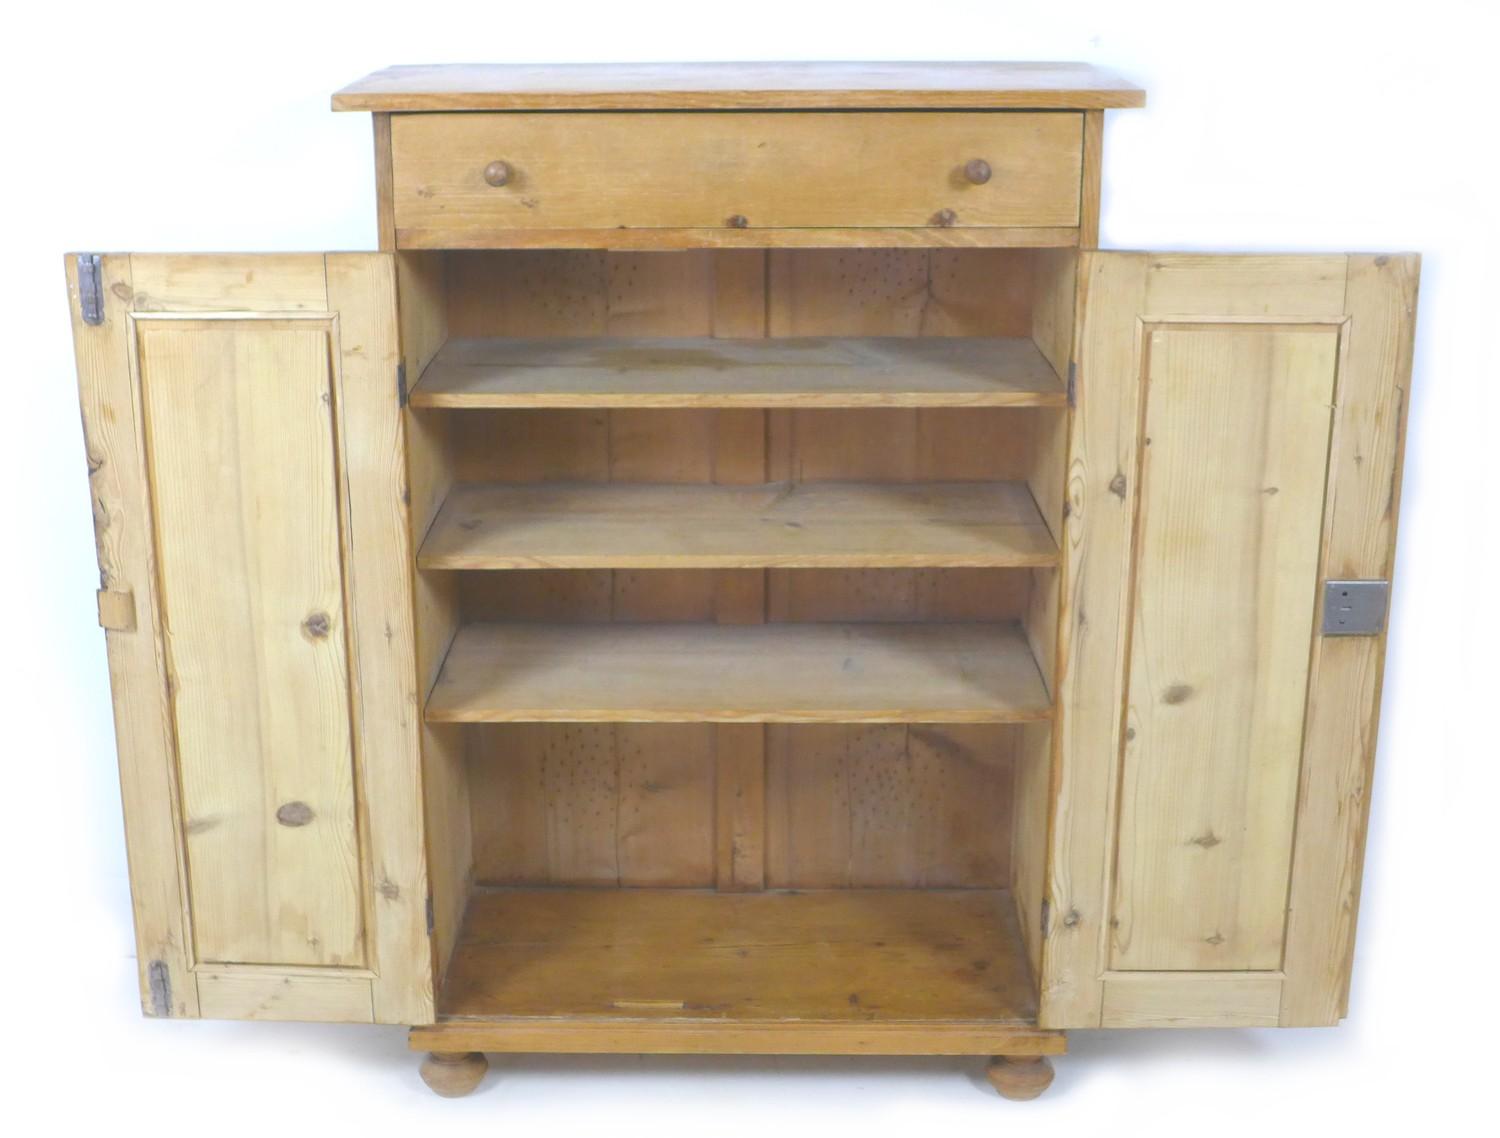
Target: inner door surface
point(1236, 446)
point(245, 458)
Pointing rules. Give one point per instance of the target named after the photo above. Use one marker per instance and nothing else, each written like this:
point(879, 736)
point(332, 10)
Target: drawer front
point(755, 170)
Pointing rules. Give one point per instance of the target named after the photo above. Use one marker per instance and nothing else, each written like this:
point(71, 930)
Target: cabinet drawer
point(458, 177)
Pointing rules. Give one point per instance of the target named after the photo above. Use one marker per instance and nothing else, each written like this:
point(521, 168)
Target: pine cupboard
point(742, 571)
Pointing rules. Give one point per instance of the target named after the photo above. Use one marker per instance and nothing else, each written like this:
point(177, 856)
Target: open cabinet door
point(242, 419)
point(1235, 462)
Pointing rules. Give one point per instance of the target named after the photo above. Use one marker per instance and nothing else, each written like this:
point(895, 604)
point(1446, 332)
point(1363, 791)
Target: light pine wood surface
point(781, 673)
point(809, 806)
point(1343, 709)
point(1191, 999)
point(245, 497)
point(647, 372)
point(1223, 615)
point(120, 496)
point(850, 958)
point(768, 171)
point(362, 290)
point(791, 525)
point(735, 86)
point(212, 389)
point(1293, 791)
point(728, 237)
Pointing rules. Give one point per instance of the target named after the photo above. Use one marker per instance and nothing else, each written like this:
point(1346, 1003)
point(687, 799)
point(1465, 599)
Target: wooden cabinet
point(741, 571)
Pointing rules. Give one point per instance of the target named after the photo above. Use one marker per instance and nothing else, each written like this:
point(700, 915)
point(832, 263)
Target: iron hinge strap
point(91, 288)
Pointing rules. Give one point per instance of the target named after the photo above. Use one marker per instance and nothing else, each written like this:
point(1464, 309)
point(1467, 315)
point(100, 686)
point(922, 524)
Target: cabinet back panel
point(1235, 456)
point(240, 443)
point(691, 805)
point(592, 595)
point(641, 805)
point(782, 292)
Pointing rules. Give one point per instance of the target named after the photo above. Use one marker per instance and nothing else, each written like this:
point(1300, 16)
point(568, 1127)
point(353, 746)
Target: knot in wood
point(294, 814)
point(317, 625)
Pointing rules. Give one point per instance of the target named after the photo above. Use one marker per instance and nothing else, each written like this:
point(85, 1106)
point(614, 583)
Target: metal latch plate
point(1355, 608)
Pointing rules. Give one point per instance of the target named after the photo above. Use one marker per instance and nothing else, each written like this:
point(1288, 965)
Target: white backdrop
point(1274, 126)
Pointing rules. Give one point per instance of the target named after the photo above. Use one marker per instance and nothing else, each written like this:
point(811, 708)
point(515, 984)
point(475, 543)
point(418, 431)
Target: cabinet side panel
point(1233, 462)
point(143, 737)
point(1343, 712)
point(240, 441)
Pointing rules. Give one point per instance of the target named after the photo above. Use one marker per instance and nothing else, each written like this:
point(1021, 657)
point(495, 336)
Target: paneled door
point(243, 428)
point(1235, 464)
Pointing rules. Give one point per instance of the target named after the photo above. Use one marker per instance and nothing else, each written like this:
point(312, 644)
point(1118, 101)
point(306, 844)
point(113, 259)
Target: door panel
point(239, 436)
point(1233, 460)
point(245, 455)
point(1236, 443)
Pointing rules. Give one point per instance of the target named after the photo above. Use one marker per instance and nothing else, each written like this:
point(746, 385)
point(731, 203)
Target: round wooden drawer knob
point(977, 170)
point(497, 173)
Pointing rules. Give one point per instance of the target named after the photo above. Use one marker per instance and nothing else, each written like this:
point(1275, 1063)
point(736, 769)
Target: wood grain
point(244, 483)
point(835, 957)
point(279, 995)
point(1191, 999)
point(1230, 500)
point(1254, 296)
point(622, 1035)
point(120, 496)
point(735, 86)
point(1094, 594)
point(625, 526)
point(229, 282)
point(677, 239)
point(774, 673)
point(1343, 711)
point(648, 372)
point(593, 804)
point(382, 636)
point(740, 807)
point(889, 805)
point(769, 171)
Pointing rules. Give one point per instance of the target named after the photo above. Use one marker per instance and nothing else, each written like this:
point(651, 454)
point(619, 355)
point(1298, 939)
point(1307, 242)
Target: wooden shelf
point(937, 971)
point(781, 525)
point(766, 673)
point(889, 371)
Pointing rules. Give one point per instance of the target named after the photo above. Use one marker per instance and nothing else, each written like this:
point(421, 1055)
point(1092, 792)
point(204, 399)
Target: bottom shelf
point(657, 970)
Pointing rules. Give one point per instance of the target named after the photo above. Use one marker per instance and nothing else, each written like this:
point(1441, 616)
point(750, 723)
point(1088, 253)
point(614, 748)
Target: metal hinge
point(1355, 608)
point(1072, 383)
point(91, 288)
point(431, 919)
point(1046, 916)
point(159, 986)
point(401, 384)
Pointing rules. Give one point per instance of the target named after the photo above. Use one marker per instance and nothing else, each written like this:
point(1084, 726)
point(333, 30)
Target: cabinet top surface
point(730, 86)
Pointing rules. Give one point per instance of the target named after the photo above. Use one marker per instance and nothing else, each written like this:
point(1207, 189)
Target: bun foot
point(1020, 1077)
point(453, 1074)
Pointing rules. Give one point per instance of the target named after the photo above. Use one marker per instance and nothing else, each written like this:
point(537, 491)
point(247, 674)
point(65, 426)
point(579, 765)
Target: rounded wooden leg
point(1020, 1077)
point(453, 1074)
